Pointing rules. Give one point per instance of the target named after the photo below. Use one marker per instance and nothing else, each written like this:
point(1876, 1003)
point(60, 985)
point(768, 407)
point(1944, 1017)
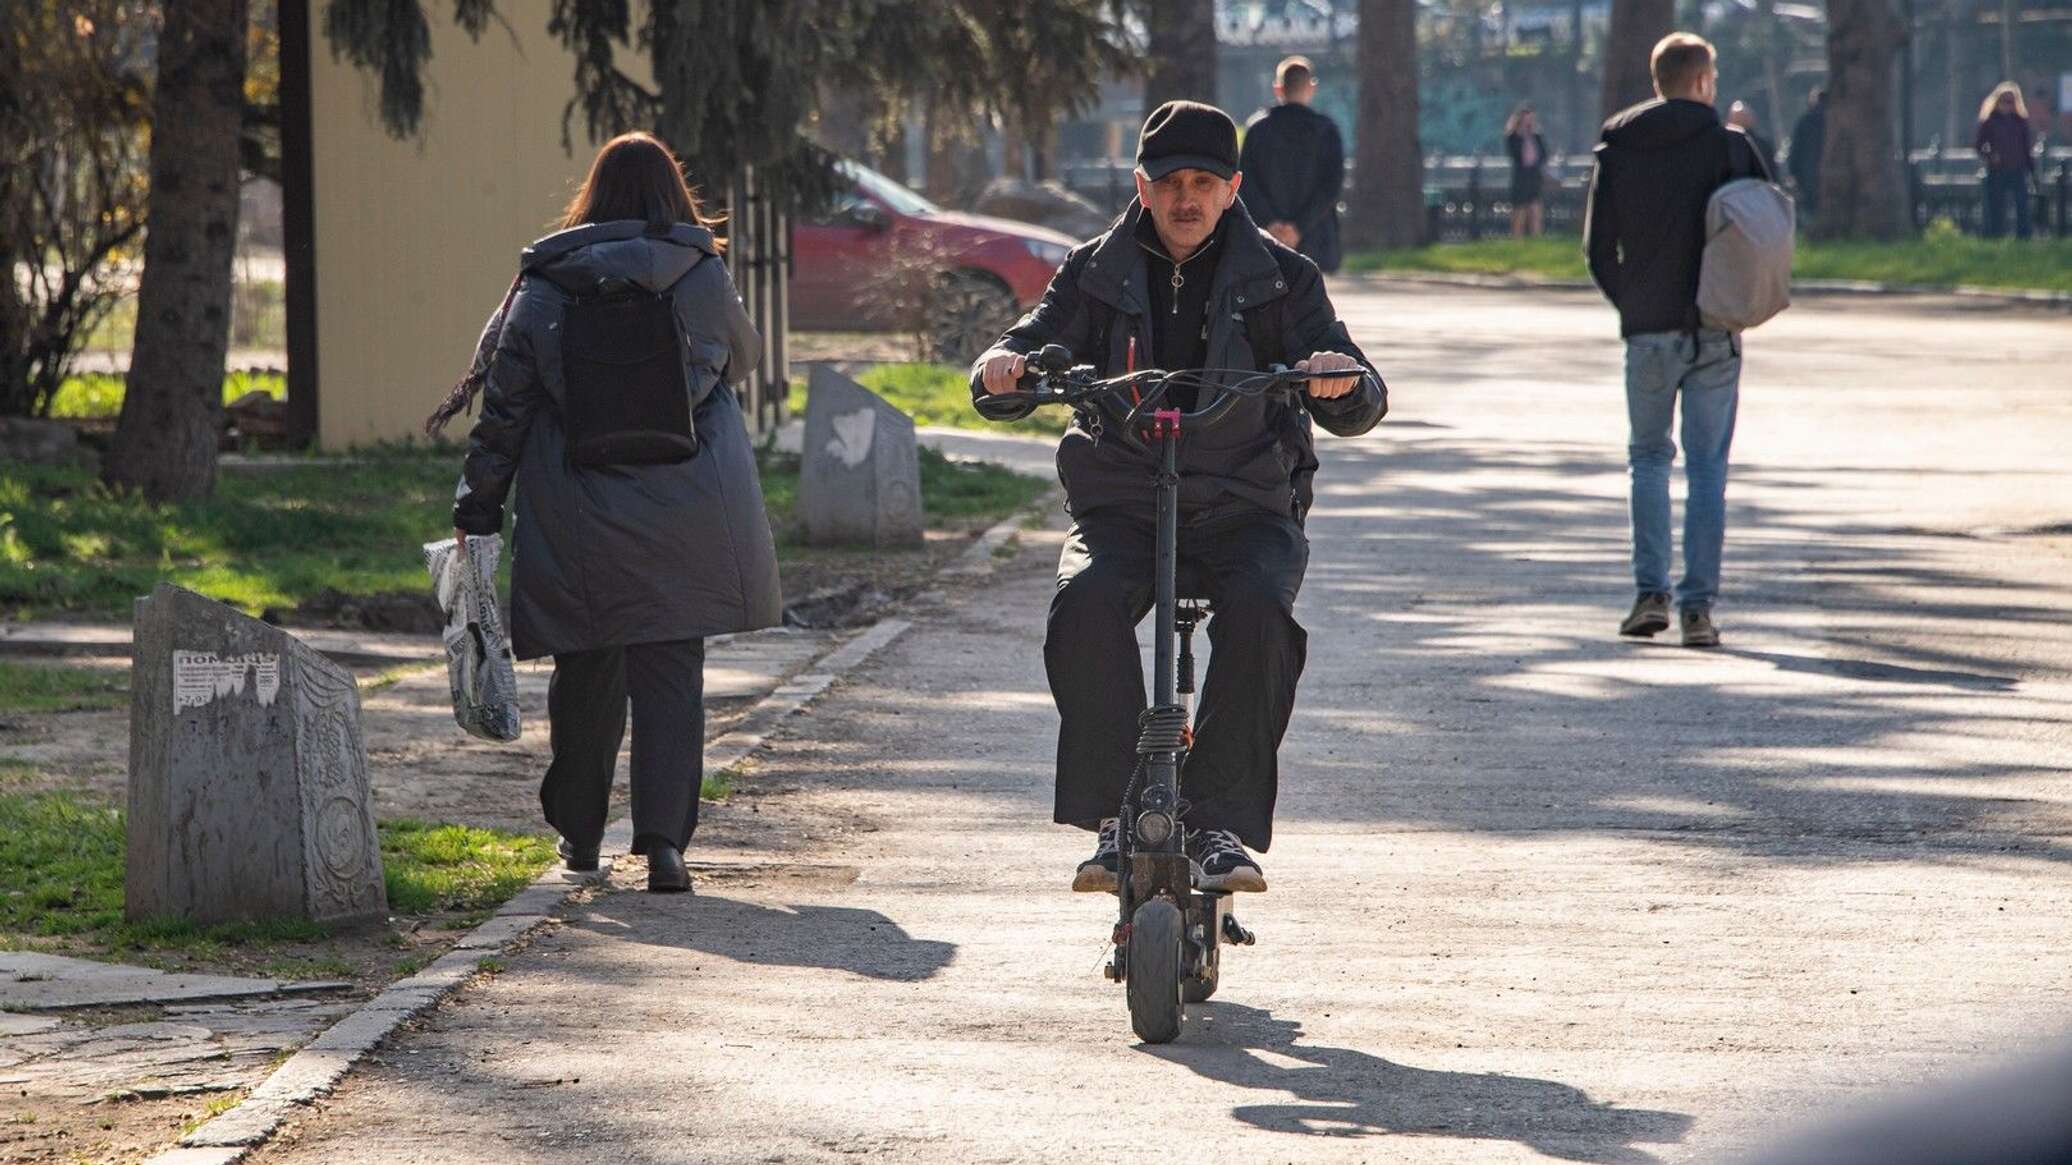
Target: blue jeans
point(1706, 370)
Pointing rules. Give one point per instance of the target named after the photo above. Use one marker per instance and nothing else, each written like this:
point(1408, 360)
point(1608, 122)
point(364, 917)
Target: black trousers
point(1249, 565)
point(586, 708)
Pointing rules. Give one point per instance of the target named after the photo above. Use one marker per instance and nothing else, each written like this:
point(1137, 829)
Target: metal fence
point(759, 255)
point(1468, 198)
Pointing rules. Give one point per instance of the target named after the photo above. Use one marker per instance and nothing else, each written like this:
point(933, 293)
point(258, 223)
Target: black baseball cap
point(1187, 135)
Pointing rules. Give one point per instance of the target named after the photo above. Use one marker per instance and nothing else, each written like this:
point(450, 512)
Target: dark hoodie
point(1657, 165)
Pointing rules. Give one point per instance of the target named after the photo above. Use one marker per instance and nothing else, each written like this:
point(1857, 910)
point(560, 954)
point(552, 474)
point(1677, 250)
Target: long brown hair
point(636, 177)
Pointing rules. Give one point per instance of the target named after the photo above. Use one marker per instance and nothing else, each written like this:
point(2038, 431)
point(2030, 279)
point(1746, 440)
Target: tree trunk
point(1014, 147)
point(1182, 52)
point(1863, 192)
point(1773, 87)
point(165, 440)
point(1953, 52)
point(2009, 9)
point(1635, 27)
point(1388, 167)
point(1580, 137)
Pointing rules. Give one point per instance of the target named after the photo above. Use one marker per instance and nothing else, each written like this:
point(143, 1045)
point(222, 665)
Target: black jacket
point(1266, 306)
point(613, 555)
point(1294, 165)
point(1644, 233)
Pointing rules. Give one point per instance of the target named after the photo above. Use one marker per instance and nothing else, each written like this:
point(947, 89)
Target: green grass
point(951, 491)
point(717, 786)
point(26, 687)
point(433, 867)
point(69, 545)
point(258, 319)
point(937, 394)
point(1554, 258)
point(99, 394)
point(61, 874)
point(1940, 259)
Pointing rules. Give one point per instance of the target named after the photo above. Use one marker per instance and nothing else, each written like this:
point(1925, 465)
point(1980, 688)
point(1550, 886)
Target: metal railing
point(759, 256)
point(1468, 197)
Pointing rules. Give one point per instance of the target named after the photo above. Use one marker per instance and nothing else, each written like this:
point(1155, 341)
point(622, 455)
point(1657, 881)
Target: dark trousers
point(586, 708)
point(2005, 188)
point(1249, 565)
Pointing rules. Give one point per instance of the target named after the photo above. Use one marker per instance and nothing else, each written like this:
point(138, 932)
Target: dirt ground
point(1538, 892)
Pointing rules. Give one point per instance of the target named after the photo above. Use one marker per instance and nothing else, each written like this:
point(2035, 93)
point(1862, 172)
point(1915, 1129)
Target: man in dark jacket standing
point(1657, 166)
point(1185, 280)
point(1294, 167)
point(1808, 139)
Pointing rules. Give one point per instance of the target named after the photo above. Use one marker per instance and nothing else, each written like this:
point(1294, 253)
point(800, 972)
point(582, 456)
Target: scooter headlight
point(1154, 827)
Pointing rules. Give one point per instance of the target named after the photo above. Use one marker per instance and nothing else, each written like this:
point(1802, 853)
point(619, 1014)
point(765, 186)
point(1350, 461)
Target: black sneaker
point(1698, 628)
point(1098, 874)
point(1650, 616)
point(1224, 864)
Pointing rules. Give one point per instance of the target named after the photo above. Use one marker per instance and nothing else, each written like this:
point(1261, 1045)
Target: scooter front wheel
point(1156, 936)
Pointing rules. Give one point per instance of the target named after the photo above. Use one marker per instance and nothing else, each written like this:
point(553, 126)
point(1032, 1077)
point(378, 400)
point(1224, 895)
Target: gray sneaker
point(1650, 615)
point(1698, 630)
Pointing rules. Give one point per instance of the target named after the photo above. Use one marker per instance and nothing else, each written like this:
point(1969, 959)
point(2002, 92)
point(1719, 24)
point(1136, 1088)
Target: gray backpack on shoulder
point(1744, 276)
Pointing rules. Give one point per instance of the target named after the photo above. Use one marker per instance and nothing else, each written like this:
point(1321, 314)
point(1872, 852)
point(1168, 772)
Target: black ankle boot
point(578, 861)
point(666, 872)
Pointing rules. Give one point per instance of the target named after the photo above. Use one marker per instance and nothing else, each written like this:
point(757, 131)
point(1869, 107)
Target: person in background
point(1528, 150)
point(1644, 234)
point(1294, 166)
point(1808, 139)
point(1741, 117)
point(606, 397)
point(2003, 142)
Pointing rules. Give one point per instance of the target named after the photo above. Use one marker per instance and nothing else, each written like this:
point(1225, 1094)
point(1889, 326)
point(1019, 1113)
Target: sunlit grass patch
point(37, 687)
point(433, 867)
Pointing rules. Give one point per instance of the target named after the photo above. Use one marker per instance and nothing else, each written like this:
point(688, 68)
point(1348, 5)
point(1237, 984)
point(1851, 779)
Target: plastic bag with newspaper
point(478, 653)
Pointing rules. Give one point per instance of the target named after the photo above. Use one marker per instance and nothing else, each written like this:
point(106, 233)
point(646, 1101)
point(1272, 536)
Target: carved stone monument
point(248, 779)
point(860, 472)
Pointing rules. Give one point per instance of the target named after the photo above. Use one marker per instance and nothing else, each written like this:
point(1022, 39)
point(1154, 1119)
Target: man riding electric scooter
point(1185, 280)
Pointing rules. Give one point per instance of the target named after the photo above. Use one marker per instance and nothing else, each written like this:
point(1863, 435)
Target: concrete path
point(1538, 893)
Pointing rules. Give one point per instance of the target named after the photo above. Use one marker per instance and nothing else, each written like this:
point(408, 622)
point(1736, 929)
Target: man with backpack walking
point(1658, 166)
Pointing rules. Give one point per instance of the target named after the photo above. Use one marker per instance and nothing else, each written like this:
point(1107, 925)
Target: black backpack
point(628, 398)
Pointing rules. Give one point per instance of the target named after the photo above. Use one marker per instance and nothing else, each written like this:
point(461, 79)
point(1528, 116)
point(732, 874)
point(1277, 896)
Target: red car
point(885, 258)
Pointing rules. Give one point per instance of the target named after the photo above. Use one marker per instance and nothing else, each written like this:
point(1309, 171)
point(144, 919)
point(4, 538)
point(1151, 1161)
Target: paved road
point(1539, 893)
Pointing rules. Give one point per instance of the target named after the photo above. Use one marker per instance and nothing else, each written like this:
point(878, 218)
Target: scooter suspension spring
point(1162, 729)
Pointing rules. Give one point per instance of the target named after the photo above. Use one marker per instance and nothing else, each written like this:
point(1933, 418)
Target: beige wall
point(417, 240)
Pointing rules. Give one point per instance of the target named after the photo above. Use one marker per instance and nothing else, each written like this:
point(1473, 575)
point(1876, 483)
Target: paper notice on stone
point(200, 677)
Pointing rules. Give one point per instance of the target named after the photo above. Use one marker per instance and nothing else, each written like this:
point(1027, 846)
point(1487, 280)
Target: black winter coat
point(614, 555)
point(1266, 306)
point(1294, 166)
point(1644, 232)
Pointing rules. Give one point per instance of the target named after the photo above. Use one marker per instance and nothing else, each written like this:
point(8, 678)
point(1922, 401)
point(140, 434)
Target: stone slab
point(212, 1156)
point(248, 1124)
point(30, 981)
point(860, 470)
point(248, 794)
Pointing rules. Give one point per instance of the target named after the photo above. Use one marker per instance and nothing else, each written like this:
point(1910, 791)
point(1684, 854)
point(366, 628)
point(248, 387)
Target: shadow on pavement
point(838, 938)
point(1341, 1092)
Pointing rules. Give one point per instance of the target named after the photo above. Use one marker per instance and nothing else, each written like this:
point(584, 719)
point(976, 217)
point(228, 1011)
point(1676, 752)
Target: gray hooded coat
point(615, 555)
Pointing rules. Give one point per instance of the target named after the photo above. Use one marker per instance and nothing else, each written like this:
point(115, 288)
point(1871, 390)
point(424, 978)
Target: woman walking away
point(1528, 152)
point(640, 526)
point(2003, 143)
